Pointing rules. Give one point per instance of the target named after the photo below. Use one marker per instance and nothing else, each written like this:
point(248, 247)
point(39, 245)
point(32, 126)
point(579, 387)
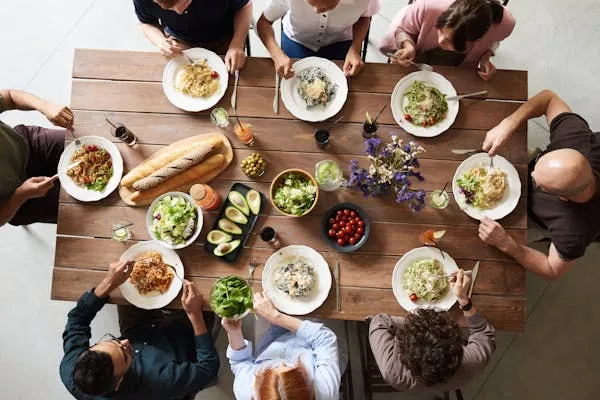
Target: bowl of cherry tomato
point(345, 227)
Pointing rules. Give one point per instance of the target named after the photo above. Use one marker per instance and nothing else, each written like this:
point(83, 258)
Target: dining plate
point(152, 300)
point(399, 101)
point(82, 193)
point(190, 103)
point(511, 194)
point(420, 253)
point(297, 106)
point(299, 305)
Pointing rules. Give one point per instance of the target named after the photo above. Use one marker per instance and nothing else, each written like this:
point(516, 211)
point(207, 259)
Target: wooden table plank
point(275, 134)
point(505, 313)
point(375, 78)
point(257, 102)
point(504, 278)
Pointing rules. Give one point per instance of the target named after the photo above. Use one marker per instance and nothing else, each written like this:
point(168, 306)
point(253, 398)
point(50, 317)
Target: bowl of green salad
point(231, 298)
point(294, 192)
point(174, 220)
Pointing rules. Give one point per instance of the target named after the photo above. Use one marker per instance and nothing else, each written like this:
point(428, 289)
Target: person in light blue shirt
point(294, 358)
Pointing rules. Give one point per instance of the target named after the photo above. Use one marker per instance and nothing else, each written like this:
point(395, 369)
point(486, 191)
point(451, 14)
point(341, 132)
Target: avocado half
point(226, 248)
point(236, 215)
point(230, 227)
point(238, 200)
point(218, 237)
point(253, 200)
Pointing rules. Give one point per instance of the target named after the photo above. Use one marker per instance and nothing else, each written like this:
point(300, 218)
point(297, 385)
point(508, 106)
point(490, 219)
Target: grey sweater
point(385, 347)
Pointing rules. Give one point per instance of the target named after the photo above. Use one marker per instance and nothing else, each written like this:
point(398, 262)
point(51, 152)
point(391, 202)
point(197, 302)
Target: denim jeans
point(334, 51)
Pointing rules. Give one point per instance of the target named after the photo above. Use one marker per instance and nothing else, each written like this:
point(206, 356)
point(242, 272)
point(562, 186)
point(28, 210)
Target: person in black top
point(217, 25)
point(564, 192)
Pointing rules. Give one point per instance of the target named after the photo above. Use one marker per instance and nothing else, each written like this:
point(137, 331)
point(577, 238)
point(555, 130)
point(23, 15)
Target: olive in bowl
point(345, 227)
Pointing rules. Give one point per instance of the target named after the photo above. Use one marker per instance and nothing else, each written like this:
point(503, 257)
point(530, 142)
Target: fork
point(492, 162)
point(420, 66)
point(175, 272)
point(251, 267)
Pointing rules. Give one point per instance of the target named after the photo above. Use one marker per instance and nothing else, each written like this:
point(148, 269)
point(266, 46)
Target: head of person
point(179, 6)
point(467, 21)
point(565, 173)
point(101, 368)
point(431, 346)
point(284, 382)
point(321, 6)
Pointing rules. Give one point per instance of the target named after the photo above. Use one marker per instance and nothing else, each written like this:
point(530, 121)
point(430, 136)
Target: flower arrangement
point(392, 166)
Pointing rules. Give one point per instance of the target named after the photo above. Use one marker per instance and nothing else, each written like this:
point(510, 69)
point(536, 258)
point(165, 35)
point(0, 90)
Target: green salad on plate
point(231, 297)
point(174, 219)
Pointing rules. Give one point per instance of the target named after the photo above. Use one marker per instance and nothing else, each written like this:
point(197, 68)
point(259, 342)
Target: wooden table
point(126, 86)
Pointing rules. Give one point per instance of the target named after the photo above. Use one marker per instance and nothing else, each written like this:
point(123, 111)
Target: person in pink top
point(448, 32)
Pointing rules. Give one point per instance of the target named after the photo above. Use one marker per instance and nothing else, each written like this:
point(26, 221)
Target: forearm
point(531, 259)
point(267, 36)
point(534, 107)
point(359, 32)
point(11, 206)
point(198, 324)
point(241, 24)
point(103, 289)
point(287, 322)
point(236, 339)
point(19, 100)
point(153, 33)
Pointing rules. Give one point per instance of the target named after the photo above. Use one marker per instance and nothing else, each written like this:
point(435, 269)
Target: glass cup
point(269, 236)
point(120, 232)
point(219, 117)
point(322, 138)
point(439, 199)
point(369, 129)
point(122, 133)
point(329, 175)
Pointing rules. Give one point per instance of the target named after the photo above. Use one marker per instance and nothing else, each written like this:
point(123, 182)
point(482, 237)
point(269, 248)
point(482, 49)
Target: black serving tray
point(246, 229)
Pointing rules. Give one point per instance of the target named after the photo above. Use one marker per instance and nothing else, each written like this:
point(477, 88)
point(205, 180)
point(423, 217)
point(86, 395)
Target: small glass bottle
point(205, 197)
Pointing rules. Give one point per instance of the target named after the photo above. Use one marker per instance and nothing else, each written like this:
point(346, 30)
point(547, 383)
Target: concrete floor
point(555, 358)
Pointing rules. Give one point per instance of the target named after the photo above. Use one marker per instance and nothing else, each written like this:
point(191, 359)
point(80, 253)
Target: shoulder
point(570, 130)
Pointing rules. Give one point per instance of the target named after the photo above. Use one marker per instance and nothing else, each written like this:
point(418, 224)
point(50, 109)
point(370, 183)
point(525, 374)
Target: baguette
point(173, 168)
point(189, 176)
point(153, 164)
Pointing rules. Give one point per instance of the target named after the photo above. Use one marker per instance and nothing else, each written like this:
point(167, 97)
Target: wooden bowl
point(277, 182)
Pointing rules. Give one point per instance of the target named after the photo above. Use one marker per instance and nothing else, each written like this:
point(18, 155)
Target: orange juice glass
point(244, 133)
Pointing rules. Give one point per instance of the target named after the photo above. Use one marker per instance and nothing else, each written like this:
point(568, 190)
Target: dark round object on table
point(333, 241)
point(322, 137)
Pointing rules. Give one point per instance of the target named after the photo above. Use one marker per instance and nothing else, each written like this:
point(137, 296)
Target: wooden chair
point(346, 389)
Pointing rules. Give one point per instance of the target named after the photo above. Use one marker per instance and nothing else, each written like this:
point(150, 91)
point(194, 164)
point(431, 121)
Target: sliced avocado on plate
point(226, 248)
point(218, 237)
point(230, 227)
point(236, 215)
point(254, 202)
point(238, 200)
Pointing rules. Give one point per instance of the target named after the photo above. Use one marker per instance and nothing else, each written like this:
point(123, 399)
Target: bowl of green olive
point(254, 165)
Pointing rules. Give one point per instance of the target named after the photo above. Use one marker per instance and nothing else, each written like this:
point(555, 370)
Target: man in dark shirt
point(564, 192)
point(160, 358)
point(218, 25)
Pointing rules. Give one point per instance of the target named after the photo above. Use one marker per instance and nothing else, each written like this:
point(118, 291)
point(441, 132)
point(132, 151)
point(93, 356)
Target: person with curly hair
point(426, 351)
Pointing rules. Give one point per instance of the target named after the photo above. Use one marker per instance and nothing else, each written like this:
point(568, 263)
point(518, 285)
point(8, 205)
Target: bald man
point(564, 193)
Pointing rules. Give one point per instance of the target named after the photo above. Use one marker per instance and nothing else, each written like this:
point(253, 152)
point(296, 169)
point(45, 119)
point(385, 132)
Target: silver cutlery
point(123, 226)
point(491, 161)
point(473, 278)
point(462, 96)
point(464, 151)
point(73, 165)
point(276, 98)
point(235, 85)
point(452, 275)
point(420, 66)
point(336, 276)
point(175, 272)
point(251, 267)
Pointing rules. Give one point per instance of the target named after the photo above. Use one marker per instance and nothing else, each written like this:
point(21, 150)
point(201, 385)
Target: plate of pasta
point(482, 190)
point(419, 104)
point(152, 283)
point(318, 90)
point(418, 279)
point(98, 172)
point(195, 86)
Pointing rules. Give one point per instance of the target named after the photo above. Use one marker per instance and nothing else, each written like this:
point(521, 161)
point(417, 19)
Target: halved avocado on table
point(218, 237)
point(253, 200)
point(236, 215)
point(226, 248)
point(238, 200)
point(230, 227)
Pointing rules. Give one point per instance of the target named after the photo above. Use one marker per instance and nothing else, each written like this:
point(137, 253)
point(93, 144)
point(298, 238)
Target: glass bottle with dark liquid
point(121, 132)
point(369, 129)
point(269, 236)
point(322, 138)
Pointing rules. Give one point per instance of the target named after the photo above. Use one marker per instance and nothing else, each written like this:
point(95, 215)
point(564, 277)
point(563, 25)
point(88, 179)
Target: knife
point(336, 276)
point(234, 95)
point(276, 98)
point(464, 151)
point(462, 96)
point(473, 277)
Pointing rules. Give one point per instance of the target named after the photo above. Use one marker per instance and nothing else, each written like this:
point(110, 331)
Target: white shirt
point(312, 30)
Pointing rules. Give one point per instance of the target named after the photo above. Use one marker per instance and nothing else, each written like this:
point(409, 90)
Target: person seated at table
point(29, 158)
point(448, 32)
point(330, 29)
point(426, 351)
point(157, 357)
point(176, 25)
point(564, 193)
point(295, 359)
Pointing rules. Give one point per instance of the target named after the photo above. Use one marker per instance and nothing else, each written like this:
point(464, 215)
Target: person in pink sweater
point(448, 32)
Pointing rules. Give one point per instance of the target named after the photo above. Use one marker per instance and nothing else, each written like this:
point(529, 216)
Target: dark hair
point(470, 20)
point(431, 346)
point(94, 373)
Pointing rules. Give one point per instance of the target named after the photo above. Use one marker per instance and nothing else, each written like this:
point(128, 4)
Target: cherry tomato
point(424, 124)
point(331, 233)
point(109, 163)
point(348, 229)
point(360, 230)
point(214, 74)
point(407, 117)
point(353, 214)
point(92, 148)
point(340, 213)
point(341, 242)
point(331, 221)
point(352, 241)
point(431, 120)
point(361, 224)
point(357, 236)
point(93, 158)
point(336, 226)
point(413, 297)
point(342, 223)
point(346, 212)
point(339, 234)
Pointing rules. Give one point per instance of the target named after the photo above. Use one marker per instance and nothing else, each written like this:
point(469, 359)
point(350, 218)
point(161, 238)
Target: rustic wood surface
point(126, 87)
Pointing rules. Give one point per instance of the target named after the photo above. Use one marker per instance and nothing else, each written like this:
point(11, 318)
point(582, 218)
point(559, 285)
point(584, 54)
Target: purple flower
point(372, 146)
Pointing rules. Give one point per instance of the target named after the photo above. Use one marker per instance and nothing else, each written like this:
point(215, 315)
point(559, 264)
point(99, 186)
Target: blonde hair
point(293, 383)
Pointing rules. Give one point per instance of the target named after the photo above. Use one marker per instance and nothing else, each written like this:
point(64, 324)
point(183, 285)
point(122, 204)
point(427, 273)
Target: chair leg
point(248, 51)
point(365, 45)
point(459, 395)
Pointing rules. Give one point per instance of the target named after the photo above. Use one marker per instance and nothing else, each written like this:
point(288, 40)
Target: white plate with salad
point(418, 280)
point(297, 279)
point(317, 92)
point(419, 104)
point(174, 220)
point(482, 191)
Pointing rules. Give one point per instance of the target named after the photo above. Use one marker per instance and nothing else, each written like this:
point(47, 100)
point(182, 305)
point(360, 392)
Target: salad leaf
point(230, 297)
point(296, 194)
point(174, 219)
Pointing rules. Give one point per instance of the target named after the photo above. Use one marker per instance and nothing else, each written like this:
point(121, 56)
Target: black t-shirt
point(572, 226)
point(203, 21)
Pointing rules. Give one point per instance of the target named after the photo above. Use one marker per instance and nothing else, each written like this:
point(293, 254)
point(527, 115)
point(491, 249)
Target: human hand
point(264, 307)
point(496, 137)
point(235, 59)
point(191, 299)
point(36, 186)
point(170, 47)
point(283, 66)
point(59, 115)
point(460, 286)
point(405, 55)
point(491, 232)
point(353, 64)
point(231, 325)
point(118, 272)
point(486, 69)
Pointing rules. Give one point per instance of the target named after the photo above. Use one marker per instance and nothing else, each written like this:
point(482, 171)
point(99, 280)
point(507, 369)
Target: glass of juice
point(219, 117)
point(244, 133)
point(439, 199)
point(329, 175)
point(121, 232)
point(122, 133)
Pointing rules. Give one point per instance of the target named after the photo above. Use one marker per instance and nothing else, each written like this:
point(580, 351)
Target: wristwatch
point(467, 306)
